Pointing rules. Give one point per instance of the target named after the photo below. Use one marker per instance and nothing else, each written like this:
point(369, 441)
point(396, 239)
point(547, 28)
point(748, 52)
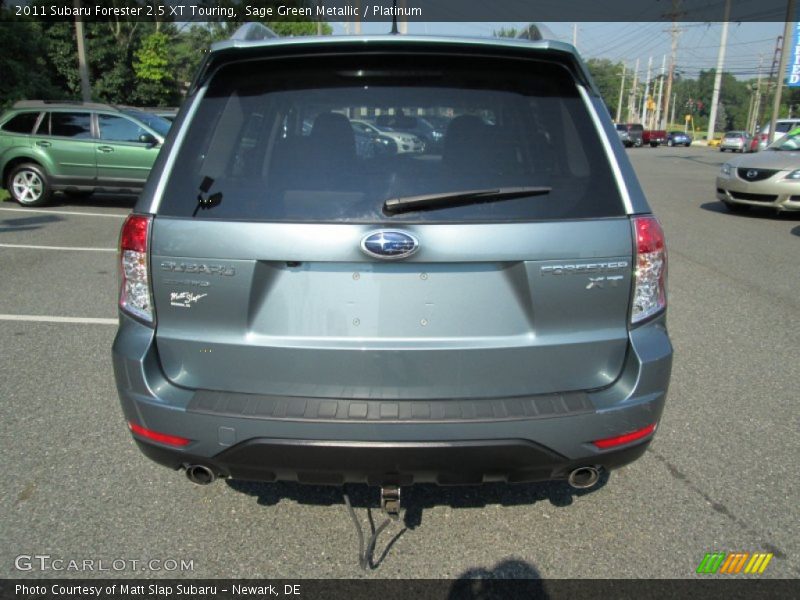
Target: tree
point(192, 43)
point(723, 121)
point(298, 28)
point(509, 32)
point(607, 76)
point(110, 50)
point(23, 70)
point(154, 72)
point(734, 96)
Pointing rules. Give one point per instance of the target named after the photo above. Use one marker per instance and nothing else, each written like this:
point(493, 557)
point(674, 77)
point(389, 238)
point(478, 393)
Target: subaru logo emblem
point(752, 173)
point(389, 244)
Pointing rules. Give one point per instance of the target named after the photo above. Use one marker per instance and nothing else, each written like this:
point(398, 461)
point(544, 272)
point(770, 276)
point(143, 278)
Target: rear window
point(22, 123)
point(76, 125)
point(785, 126)
point(275, 141)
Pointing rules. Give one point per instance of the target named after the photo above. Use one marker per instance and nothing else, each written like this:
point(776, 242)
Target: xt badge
point(600, 282)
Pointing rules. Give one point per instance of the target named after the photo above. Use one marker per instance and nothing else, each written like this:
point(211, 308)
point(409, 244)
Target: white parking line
point(80, 248)
point(65, 212)
point(48, 319)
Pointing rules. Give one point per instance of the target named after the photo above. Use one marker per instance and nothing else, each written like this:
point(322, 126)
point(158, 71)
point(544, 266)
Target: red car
point(654, 137)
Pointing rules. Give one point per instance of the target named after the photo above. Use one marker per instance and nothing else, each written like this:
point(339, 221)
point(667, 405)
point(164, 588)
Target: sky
point(698, 43)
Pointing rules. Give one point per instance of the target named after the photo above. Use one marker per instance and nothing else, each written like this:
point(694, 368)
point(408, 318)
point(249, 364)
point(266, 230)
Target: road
point(720, 476)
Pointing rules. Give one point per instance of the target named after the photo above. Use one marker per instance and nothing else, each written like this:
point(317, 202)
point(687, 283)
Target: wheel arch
point(18, 160)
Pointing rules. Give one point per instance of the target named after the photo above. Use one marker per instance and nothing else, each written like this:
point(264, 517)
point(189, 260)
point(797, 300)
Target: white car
point(406, 142)
point(782, 127)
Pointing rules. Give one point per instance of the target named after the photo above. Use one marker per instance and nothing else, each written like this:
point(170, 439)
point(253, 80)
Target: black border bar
point(409, 10)
point(477, 584)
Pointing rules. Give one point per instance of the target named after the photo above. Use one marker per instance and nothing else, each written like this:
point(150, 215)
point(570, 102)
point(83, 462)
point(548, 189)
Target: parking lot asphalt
point(720, 476)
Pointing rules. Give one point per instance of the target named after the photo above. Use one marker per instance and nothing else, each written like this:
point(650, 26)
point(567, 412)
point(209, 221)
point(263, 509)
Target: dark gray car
point(290, 310)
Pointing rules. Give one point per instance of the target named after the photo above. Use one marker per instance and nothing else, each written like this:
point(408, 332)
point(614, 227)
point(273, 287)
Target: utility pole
point(646, 96)
point(757, 102)
point(621, 92)
point(750, 104)
point(632, 96)
point(575, 34)
point(674, 52)
point(403, 24)
point(674, 100)
point(83, 67)
point(723, 40)
point(659, 124)
point(787, 35)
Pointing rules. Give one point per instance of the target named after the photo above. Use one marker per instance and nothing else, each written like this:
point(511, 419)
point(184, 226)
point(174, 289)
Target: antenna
point(394, 17)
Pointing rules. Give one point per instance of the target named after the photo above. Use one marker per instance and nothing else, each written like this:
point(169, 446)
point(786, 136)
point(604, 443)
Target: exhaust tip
point(200, 474)
point(583, 477)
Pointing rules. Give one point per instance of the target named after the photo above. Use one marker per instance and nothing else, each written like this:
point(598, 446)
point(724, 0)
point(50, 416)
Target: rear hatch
point(284, 280)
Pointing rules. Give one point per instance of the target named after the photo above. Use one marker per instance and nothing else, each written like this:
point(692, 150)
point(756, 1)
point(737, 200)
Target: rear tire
point(28, 185)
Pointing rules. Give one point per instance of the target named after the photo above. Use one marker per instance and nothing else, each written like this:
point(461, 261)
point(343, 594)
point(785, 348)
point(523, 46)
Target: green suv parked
point(76, 148)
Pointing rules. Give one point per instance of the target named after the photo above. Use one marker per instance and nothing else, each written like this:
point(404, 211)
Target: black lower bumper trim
point(391, 463)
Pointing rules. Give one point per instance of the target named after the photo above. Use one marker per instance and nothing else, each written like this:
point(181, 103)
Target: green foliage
point(152, 58)
point(189, 47)
point(298, 28)
point(110, 48)
point(23, 70)
point(607, 76)
point(154, 71)
point(723, 121)
point(504, 32)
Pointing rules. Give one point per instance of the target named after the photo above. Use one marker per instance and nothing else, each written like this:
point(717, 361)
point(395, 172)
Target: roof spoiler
point(253, 32)
point(51, 103)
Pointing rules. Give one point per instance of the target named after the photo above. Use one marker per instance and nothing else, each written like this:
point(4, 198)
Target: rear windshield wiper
point(446, 199)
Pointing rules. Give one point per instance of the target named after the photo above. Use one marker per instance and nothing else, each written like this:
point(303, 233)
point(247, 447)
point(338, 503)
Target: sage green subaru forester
point(75, 147)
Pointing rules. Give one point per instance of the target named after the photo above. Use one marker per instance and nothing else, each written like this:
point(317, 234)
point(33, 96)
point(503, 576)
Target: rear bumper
point(451, 441)
point(390, 463)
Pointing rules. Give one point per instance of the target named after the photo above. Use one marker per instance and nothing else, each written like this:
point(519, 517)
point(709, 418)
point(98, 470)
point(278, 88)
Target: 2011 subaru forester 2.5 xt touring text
point(293, 310)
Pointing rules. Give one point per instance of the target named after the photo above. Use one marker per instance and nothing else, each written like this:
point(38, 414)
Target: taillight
point(627, 438)
point(156, 436)
point(134, 296)
point(649, 291)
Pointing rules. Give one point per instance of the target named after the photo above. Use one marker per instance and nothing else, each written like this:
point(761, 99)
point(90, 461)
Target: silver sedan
point(768, 179)
point(735, 141)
